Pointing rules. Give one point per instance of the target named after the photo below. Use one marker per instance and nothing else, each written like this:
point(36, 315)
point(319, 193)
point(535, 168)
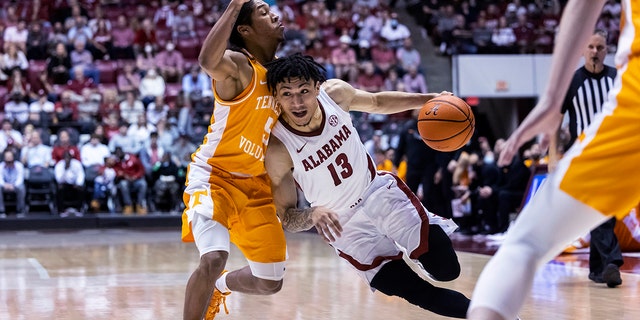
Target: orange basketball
point(446, 123)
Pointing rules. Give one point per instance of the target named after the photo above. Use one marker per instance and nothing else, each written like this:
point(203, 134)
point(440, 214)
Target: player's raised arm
point(385, 102)
point(212, 58)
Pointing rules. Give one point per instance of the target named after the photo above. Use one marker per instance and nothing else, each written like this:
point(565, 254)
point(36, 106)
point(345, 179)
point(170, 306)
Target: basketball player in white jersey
point(597, 177)
point(371, 218)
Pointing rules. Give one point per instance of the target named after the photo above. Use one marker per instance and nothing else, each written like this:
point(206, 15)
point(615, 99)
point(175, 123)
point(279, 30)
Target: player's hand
point(327, 223)
point(544, 119)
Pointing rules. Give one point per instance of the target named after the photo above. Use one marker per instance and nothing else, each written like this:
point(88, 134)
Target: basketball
point(446, 123)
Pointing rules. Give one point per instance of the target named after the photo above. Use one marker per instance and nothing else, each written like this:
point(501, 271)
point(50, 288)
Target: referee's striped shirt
point(587, 93)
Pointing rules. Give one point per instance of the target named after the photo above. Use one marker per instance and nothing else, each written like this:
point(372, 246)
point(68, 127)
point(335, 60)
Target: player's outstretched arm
point(576, 26)
point(212, 58)
point(385, 102)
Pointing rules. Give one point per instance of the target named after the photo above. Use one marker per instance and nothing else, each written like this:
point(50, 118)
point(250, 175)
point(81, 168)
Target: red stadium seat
point(189, 47)
point(108, 71)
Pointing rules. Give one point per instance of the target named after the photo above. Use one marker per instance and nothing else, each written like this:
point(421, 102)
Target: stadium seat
point(108, 71)
point(190, 48)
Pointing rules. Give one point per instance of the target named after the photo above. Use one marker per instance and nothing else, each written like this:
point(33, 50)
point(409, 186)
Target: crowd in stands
point(114, 87)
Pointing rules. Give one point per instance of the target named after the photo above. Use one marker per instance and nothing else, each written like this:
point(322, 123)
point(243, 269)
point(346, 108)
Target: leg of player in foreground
point(596, 175)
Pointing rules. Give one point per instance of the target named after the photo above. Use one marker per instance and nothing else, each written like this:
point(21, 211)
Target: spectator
point(82, 58)
point(102, 40)
point(170, 63)
point(16, 110)
point(322, 54)
point(164, 178)
point(16, 35)
point(98, 15)
point(63, 145)
point(111, 125)
point(123, 141)
point(139, 131)
point(146, 34)
point(128, 79)
point(167, 133)
point(183, 25)
point(182, 150)
point(408, 56)
point(17, 84)
point(104, 184)
point(414, 81)
point(13, 58)
point(129, 179)
point(151, 86)
point(57, 35)
point(525, 34)
point(35, 153)
point(503, 38)
point(131, 107)
point(481, 36)
point(109, 104)
point(394, 32)
point(151, 154)
point(195, 83)
point(344, 60)
point(146, 60)
point(59, 64)
point(66, 110)
point(70, 179)
point(123, 38)
point(368, 79)
point(383, 57)
point(41, 110)
point(42, 84)
point(36, 42)
point(79, 83)
point(163, 17)
point(92, 155)
point(88, 106)
point(157, 110)
point(12, 181)
point(80, 32)
point(10, 138)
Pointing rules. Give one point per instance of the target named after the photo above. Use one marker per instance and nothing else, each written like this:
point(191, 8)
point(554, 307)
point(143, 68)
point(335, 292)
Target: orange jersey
point(240, 129)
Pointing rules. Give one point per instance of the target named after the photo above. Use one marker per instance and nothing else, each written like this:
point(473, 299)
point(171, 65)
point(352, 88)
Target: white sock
point(221, 283)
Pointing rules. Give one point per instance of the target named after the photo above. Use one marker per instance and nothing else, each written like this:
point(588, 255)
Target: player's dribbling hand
point(326, 223)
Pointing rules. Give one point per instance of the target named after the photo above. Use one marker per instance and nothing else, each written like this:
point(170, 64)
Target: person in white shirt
point(131, 107)
point(40, 110)
point(140, 131)
point(69, 175)
point(12, 180)
point(10, 137)
point(35, 153)
point(123, 140)
point(16, 109)
point(16, 34)
point(151, 86)
point(92, 156)
point(157, 110)
point(394, 32)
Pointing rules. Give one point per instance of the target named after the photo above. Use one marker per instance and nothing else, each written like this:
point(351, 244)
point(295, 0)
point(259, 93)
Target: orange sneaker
point(214, 305)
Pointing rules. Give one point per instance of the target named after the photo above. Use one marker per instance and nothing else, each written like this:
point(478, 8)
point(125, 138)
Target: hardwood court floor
point(141, 274)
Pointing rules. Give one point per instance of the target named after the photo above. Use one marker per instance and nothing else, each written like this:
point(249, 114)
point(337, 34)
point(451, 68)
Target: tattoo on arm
point(296, 220)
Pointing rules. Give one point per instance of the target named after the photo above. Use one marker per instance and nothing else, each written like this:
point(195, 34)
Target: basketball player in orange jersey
point(596, 178)
point(228, 196)
point(372, 219)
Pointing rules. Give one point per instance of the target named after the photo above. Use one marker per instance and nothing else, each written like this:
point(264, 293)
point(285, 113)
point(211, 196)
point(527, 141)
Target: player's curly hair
point(294, 66)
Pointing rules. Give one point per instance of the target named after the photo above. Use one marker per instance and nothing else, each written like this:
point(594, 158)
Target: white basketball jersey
point(328, 162)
